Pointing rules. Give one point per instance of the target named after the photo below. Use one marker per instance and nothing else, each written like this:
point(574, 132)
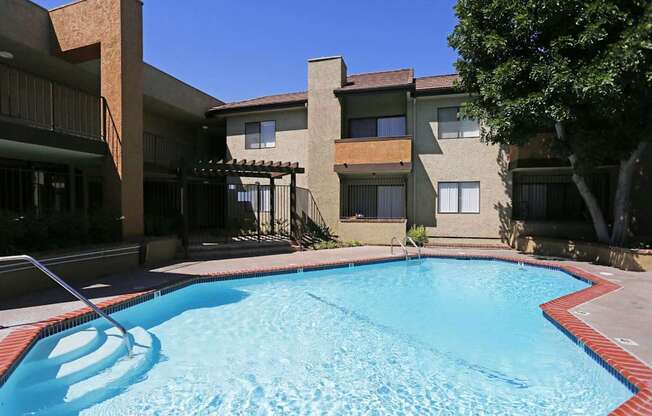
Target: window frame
point(376, 118)
point(459, 198)
point(260, 134)
point(459, 131)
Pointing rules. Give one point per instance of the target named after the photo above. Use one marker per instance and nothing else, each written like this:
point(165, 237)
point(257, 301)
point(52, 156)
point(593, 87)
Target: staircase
point(83, 368)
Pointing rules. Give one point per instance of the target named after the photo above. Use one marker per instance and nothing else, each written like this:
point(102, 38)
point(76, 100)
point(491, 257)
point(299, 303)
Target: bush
point(418, 234)
point(325, 245)
point(29, 232)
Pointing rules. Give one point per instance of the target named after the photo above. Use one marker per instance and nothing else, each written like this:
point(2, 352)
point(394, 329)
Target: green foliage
point(328, 244)
point(584, 63)
point(418, 234)
point(29, 233)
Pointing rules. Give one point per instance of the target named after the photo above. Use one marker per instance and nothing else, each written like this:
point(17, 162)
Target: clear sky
point(237, 49)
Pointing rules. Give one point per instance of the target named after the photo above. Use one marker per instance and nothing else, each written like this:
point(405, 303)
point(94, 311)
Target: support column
point(258, 203)
point(72, 192)
point(183, 205)
point(294, 218)
point(111, 30)
point(272, 206)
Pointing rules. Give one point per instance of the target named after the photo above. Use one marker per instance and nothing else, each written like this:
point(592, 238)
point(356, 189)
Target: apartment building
point(86, 125)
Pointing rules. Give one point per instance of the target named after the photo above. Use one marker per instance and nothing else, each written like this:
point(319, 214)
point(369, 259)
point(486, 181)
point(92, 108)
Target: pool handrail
point(72, 291)
point(391, 247)
point(411, 241)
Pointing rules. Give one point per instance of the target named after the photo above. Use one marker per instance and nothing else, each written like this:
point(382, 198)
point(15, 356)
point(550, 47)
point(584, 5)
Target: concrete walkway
point(626, 313)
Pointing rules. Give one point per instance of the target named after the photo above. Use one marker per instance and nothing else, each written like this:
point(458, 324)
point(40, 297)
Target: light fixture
point(6, 55)
point(205, 127)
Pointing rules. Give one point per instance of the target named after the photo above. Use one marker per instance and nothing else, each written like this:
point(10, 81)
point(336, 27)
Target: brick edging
point(629, 370)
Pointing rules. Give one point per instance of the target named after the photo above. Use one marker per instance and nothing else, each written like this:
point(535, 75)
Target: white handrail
point(415, 245)
point(72, 291)
point(391, 247)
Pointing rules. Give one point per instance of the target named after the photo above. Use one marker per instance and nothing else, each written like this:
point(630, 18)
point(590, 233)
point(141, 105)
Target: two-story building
point(86, 125)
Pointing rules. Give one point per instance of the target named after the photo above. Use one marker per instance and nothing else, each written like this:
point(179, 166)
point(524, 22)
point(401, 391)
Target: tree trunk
point(622, 199)
point(599, 223)
point(597, 216)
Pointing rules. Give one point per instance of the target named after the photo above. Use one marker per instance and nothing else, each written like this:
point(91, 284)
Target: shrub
point(418, 234)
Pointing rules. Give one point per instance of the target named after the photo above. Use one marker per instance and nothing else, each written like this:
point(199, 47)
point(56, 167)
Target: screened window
point(377, 127)
point(451, 126)
point(260, 135)
point(459, 197)
point(385, 201)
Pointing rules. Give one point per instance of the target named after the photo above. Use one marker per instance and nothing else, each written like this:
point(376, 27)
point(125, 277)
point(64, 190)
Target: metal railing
point(72, 291)
point(42, 103)
point(411, 241)
point(391, 247)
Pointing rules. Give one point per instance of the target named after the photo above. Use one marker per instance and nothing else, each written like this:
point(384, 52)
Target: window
point(459, 197)
point(364, 200)
point(260, 135)
point(377, 127)
point(450, 125)
point(555, 197)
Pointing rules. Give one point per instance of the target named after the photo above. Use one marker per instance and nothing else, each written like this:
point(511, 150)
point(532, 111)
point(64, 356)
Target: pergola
point(206, 169)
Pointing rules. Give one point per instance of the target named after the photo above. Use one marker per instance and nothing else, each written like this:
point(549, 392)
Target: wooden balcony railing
point(373, 154)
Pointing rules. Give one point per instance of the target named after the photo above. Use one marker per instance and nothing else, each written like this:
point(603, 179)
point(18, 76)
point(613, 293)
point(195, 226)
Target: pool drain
point(626, 341)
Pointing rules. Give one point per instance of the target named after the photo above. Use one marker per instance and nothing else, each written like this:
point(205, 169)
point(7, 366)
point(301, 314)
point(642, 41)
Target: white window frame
point(460, 123)
point(459, 197)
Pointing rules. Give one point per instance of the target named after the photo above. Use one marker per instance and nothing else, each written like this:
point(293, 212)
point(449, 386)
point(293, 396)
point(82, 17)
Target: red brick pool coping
point(630, 370)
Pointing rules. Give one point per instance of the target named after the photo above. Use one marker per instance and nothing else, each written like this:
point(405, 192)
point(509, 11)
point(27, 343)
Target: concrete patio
point(626, 313)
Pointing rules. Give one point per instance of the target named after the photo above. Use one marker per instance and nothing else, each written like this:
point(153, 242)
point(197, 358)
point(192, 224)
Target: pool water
point(435, 336)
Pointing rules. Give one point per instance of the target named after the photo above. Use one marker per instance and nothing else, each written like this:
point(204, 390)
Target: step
point(75, 345)
point(92, 388)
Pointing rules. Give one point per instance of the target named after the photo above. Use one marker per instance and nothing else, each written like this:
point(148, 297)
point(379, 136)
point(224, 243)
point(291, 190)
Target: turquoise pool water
point(437, 336)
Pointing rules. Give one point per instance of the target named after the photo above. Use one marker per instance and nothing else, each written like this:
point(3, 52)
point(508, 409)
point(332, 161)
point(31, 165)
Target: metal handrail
point(72, 291)
point(415, 245)
point(391, 247)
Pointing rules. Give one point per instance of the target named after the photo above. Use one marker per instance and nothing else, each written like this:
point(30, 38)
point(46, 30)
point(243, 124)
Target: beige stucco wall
point(291, 141)
point(451, 160)
point(371, 232)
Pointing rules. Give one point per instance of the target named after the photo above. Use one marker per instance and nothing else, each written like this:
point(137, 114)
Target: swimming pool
point(435, 336)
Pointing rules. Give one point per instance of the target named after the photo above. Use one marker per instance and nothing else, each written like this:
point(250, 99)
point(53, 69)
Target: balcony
point(38, 111)
point(165, 152)
point(373, 155)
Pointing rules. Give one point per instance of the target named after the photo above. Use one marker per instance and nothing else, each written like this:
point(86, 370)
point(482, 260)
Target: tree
point(577, 71)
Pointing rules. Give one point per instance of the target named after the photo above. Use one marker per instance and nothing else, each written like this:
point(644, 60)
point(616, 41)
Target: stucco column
point(324, 127)
point(111, 30)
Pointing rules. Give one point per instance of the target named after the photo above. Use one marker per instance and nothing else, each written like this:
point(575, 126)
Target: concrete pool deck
point(625, 313)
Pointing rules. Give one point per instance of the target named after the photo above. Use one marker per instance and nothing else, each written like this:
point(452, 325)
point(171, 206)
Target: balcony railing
point(164, 151)
point(373, 154)
point(41, 103)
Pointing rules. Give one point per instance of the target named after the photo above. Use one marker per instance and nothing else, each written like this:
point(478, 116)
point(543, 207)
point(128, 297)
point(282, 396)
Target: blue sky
point(237, 49)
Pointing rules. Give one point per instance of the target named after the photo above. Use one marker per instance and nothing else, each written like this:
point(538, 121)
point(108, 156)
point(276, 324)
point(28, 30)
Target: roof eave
point(255, 107)
point(346, 91)
point(438, 91)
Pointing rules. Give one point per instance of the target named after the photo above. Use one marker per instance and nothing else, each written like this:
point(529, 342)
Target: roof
point(269, 101)
point(435, 83)
point(379, 80)
point(370, 81)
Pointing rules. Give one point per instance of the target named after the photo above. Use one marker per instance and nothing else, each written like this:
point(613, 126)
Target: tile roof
point(437, 82)
point(288, 98)
point(357, 82)
point(375, 80)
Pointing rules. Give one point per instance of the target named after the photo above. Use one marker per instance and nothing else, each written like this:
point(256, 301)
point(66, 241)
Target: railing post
point(258, 209)
point(272, 208)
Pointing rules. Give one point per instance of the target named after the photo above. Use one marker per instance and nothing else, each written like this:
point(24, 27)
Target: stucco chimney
point(324, 127)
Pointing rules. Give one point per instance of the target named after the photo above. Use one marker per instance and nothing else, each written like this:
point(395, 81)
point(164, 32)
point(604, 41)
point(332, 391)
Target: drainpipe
point(414, 158)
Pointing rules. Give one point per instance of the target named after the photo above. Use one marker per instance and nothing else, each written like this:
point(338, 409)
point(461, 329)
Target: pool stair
point(86, 366)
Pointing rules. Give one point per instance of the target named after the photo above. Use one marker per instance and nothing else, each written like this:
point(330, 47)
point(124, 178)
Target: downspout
point(414, 158)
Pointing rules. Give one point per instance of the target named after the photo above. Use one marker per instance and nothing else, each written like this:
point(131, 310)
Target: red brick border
point(631, 370)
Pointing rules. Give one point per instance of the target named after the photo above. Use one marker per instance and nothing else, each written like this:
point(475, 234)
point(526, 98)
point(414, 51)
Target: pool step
point(92, 388)
point(86, 366)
